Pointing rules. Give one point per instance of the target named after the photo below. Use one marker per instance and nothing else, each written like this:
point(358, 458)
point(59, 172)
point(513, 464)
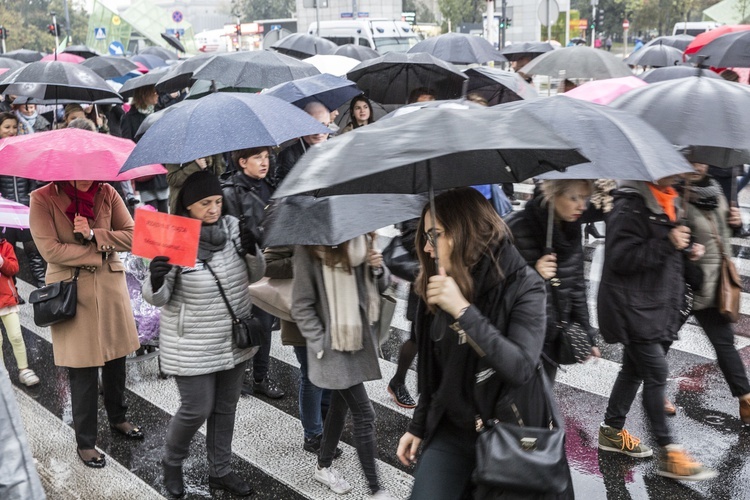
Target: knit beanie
point(199, 185)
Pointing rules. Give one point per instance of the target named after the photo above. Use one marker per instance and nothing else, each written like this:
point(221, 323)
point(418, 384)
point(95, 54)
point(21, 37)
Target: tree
point(254, 10)
point(742, 8)
point(424, 13)
point(27, 21)
point(461, 11)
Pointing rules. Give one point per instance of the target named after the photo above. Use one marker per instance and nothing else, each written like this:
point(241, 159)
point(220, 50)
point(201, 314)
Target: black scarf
point(213, 238)
point(704, 194)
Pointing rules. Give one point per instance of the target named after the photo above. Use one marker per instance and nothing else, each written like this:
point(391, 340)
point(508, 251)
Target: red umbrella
point(70, 154)
point(704, 38)
point(64, 57)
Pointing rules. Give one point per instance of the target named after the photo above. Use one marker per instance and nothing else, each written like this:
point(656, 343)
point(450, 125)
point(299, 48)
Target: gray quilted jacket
point(196, 328)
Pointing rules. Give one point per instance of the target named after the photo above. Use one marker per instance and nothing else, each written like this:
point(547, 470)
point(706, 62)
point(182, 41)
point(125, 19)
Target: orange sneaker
point(676, 463)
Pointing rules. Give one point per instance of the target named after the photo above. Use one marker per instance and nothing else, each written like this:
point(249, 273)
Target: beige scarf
point(343, 298)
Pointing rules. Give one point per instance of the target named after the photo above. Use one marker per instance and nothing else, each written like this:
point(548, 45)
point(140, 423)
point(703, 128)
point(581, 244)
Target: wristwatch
point(91, 235)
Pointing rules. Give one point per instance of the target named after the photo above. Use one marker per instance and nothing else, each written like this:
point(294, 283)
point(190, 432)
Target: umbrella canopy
point(578, 62)
point(726, 51)
point(110, 66)
point(618, 144)
point(221, 122)
point(436, 148)
point(13, 214)
point(333, 64)
point(179, 76)
point(605, 91)
point(516, 51)
point(674, 72)
point(80, 50)
point(331, 91)
point(24, 55)
point(173, 41)
point(57, 80)
point(260, 69)
point(63, 57)
point(331, 220)
point(8, 63)
point(150, 61)
point(679, 42)
point(390, 78)
point(160, 52)
point(202, 88)
point(158, 115)
point(302, 45)
point(694, 111)
point(70, 154)
point(150, 78)
point(459, 48)
point(656, 56)
point(358, 52)
point(704, 38)
point(416, 106)
point(497, 86)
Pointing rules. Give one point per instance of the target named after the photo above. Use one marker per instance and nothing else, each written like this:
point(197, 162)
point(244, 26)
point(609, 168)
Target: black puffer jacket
point(642, 287)
point(287, 159)
point(529, 228)
point(129, 125)
point(246, 196)
point(16, 188)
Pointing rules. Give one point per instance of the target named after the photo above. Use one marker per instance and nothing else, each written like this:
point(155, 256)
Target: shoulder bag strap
point(715, 235)
point(221, 291)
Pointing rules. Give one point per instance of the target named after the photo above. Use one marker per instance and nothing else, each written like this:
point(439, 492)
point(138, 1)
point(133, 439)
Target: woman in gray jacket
point(196, 343)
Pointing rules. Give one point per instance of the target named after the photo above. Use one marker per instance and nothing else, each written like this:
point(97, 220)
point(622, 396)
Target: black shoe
point(741, 232)
point(400, 395)
point(95, 463)
point(268, 388)
point(134, 433)
point(313, 446)
point(232, 483)
point(592, 231)
point(276, 326)
point(173, 481)
point(20, 300)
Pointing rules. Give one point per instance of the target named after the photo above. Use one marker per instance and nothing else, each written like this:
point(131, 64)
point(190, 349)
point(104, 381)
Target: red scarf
point(81, 202)
point(665, 197)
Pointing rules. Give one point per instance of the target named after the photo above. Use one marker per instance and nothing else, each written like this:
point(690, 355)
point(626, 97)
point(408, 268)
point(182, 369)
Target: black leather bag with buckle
point(55, 303)
point(573, 344)
point(246, 332)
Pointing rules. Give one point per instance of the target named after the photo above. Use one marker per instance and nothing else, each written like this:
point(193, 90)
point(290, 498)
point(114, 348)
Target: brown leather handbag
point(728, 292)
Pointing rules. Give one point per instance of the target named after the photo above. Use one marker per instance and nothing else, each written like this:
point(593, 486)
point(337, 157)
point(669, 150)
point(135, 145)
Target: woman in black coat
point(564, 261)
point(485, 298)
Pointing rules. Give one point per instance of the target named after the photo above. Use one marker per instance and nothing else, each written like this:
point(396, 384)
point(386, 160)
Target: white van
point(379, 34)
point(694, 29)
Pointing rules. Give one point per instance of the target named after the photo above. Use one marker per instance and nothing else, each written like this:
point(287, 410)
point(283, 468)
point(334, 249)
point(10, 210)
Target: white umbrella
point(332, 64)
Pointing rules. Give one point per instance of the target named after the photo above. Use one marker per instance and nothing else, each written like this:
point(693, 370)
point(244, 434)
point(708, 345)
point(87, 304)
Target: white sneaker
point(382, 495)
point(331, 478)
point(28, 377)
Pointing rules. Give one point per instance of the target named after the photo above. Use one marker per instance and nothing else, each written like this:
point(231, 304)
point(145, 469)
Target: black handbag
point(573, 344)
point(55, 303)
point(513, 456)
point(246, 332)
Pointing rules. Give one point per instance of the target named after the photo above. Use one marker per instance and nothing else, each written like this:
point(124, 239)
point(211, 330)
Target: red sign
point(583, 24)
point(157, 233)
point(625, 24)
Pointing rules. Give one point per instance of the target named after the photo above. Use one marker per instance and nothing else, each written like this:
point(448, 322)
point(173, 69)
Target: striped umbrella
point(13, 214)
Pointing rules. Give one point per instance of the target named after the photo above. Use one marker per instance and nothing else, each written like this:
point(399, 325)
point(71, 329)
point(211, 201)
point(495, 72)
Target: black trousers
point(262, 358)
point(719, 331)
point(84, 394)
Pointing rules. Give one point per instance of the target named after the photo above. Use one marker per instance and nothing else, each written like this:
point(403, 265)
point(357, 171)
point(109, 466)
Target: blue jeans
point(313, 401)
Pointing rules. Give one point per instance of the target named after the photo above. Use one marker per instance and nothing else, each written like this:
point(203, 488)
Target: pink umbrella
point(70, 154)
point(64, 57)
point(13, 214)
point(605, 91)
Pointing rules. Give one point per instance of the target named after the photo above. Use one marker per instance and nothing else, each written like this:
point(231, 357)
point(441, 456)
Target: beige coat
point(103, 328)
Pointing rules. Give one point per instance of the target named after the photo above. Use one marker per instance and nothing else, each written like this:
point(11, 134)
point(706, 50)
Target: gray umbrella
point(302, 45)
point(331, 91)
point(459, 48)
point(674, 72)
point(57, 80)
point(150, 78)
point(498, 86)
point(81, 50)
point(173, 41)
point(180, 76)
point(656, 56)
point(358, 52)
point(155, 117)
point(11, 64)
point(110, 66)
point(578, 62)
point(24, 55)
point(727, 51)
point(679, 42)
point(260, 69)
point(695, 111)
point(390, 78)
point(160, 52)
point(516, 51)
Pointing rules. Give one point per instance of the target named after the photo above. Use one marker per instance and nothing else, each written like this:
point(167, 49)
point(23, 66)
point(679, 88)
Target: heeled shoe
point(232, 483)
point(745, 410)
point(94, 463)
point(134, 433)
point(173, 480)
point(591, 230)
point(669, 408)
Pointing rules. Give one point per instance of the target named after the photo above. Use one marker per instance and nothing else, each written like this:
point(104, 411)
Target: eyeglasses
point(430, 239)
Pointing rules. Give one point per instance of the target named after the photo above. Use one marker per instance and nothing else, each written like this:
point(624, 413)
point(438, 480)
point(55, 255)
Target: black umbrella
point(57, 80)
point(11, 64)
point(656, 56)
point(260, 69)
point(359, 52)
point(179, 76)
point(679, 42)
point(578, 62)
point(173, 41)
point(81, 50)
point(459, 48)
point(150, 78)
point(160, 52)
point(150, 61)
point(695, 111)
point(302, 45)
point(727, 51)
point(155, 117)
point(24, 55)
point(498, 86)
point(331, 91)
point(516, 51)
point(331, 220)
point(674, 72)
point(110, 66)
point(390, 78)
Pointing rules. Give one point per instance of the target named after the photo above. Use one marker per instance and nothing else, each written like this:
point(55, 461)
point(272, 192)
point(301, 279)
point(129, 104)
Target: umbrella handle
point(432, 216)
point(76, 235)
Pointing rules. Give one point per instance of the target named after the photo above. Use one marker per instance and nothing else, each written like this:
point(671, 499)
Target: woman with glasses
point(483, 298)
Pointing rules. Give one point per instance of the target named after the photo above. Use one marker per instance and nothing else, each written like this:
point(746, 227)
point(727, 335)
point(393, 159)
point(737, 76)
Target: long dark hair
point(472, 225)
point(352, 120)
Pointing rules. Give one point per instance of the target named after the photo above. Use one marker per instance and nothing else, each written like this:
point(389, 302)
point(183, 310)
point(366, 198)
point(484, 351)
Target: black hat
point(199, 185)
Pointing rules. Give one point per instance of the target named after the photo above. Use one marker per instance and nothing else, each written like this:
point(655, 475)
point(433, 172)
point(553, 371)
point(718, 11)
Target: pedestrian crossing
point(268, 435)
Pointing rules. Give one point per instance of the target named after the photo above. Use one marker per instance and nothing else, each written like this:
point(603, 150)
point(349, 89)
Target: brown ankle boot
point(745, 410)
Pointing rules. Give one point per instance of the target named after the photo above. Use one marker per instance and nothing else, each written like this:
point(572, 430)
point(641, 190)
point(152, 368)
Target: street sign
point(177, 16)
point(275, 27)
point(100, 33)
point(363, 14)
point(116, 20)
point(175, 31)
point(116, 48)
point(583, 24)
point(625, 24)
point(347, 15)
point(409, 17)
point(548, 12)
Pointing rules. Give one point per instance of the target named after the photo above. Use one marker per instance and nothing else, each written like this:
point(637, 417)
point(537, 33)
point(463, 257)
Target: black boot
point(37, 266)
point(173, 480)
point(592, 231)
point(232, 483)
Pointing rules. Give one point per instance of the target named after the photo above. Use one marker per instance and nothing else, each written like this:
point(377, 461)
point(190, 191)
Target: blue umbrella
point(221, 122)
point(331, 91)
point(149, 60)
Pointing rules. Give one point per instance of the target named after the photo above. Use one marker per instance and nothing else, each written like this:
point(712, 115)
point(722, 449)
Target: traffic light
point(238, 29)
point(502, 22)
point(53, 29)
point(507, 22)
point(3, 33)
point(600, 17)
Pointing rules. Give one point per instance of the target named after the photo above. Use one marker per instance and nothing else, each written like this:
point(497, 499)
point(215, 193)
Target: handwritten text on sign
point(157, 233)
